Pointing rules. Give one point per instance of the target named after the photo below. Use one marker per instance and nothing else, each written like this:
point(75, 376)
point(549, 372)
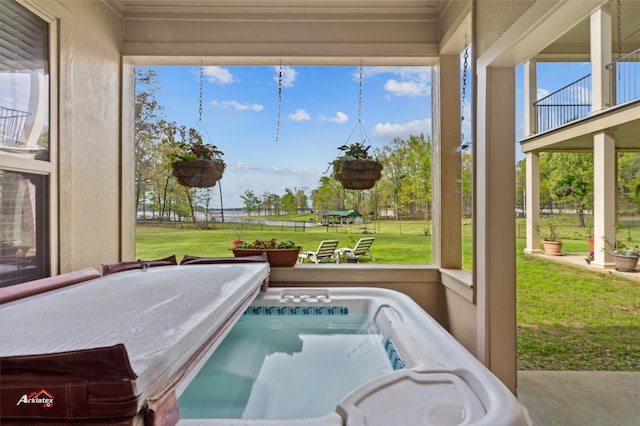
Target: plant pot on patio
point(552, 248)
point(276, 257)
point(279, 253)
point(625, 263)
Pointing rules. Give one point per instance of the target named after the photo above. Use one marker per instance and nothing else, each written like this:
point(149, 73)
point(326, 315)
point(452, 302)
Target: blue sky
point(319, 112)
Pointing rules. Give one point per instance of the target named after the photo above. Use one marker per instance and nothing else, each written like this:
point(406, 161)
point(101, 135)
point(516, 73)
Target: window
point(24, 145)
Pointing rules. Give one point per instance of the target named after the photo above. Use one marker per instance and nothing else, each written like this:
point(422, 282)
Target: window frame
point(47, 168)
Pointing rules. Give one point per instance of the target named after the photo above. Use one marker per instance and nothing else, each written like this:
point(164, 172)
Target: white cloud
point(218, 75)
point(411, 81)
point(248, 168)
point(340, 117)
point(299, 115)
point(581, 95)
point(407, 88)
point(542, 93)
point(420, 73)
point(238, 106)
point(389, 131)
point(288, 76)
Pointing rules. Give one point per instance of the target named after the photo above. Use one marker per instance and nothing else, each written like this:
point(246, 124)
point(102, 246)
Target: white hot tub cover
point(136, 328)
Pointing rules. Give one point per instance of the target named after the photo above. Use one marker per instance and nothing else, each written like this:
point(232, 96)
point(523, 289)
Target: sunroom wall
point(89, 134)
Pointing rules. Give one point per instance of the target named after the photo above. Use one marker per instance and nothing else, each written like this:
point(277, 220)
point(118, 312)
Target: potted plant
point(591, 242)
point(551, 241)
point(356, 169)
point(195, 163)
point(283, 253)
point(238, 237)
point(624, 258)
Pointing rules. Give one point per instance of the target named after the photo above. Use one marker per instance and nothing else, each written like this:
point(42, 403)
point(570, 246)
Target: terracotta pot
point(591, 244)
point(198, 173)
point(236, 243)
point(552, 248)
point(276, 257)
point(359, 174)
point(625, 263)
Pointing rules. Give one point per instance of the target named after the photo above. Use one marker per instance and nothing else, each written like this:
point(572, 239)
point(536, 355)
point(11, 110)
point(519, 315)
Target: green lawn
point(568, 318)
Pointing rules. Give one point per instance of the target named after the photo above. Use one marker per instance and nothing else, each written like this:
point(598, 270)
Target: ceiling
point(280, 9)
point(573, 45)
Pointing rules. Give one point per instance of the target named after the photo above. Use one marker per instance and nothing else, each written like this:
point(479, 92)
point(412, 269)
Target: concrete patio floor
point(581, 398)
point(577, 259)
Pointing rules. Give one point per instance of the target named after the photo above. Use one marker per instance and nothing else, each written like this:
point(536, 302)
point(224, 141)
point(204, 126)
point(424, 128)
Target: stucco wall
point(89, 145)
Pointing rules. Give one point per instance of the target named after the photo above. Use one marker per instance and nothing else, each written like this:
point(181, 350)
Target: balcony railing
point(11, 125)
point(625, 78)
point(570, 103)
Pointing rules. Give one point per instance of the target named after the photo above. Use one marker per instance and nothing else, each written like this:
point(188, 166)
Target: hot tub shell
point(440, 382)
point(166, 322)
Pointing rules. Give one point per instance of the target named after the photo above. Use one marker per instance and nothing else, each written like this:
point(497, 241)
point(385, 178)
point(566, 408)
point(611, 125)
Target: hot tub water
point(288, 362)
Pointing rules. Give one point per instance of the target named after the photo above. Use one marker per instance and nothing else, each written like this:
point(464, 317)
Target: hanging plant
point(356, 169)
point(195, 163)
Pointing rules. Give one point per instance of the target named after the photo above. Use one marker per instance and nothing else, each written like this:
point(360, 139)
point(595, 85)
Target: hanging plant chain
point(279, 103)
point(464, 90)
point(201, 78)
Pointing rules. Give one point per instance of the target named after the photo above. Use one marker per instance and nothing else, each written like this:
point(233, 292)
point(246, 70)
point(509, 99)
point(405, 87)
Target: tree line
point(566, 184)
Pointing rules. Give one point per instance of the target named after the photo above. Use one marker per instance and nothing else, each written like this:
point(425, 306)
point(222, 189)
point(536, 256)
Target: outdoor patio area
point(578, 398)
point(578, 259)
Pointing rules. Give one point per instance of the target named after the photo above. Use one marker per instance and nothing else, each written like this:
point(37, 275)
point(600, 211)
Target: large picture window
point(24, 145)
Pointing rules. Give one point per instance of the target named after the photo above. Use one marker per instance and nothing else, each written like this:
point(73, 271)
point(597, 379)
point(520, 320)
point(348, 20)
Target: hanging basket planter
point(356, 169)
point(359, 174)
point(198, 173)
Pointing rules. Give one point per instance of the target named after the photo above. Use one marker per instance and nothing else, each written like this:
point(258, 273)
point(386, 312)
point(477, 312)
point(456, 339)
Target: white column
point(530, 96)
point(600, 56)
point(533, 202)
point(494, 245)
point(604, 197)
point(447, 202)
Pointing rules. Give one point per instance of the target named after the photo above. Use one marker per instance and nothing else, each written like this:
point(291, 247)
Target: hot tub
point(125, 349)
point(410, 370)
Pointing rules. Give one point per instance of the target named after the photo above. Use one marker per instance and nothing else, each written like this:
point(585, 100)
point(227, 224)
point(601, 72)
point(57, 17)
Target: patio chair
point(326, 252)
point(362, 248)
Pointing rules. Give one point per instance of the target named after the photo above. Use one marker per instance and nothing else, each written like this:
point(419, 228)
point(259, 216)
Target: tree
point(271, 203)
point(289, 202)
point(393, 159)
point(328, 196)
point(521, 184)
point(628, 181)
point(302, 201)
point(571, 179)
point(418, 187)
point(251, 201)
point(147, 115)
